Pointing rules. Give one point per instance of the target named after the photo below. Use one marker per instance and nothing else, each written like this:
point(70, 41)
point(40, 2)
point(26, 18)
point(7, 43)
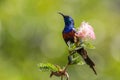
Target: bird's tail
point(86, 58)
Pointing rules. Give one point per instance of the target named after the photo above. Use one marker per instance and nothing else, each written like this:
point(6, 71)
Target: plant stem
point(66, 67)
point(61, 77)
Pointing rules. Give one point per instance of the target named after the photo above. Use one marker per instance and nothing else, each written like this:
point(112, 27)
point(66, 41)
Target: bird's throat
point(68, 29)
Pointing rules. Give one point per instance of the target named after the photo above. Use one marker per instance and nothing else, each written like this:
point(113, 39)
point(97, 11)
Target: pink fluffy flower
point(85, 31)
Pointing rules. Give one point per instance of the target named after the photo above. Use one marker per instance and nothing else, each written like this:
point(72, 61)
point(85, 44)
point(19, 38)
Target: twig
point(61, 77)
point(66, 67)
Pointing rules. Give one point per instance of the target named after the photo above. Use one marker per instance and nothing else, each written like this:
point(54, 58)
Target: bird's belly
point(69, 36)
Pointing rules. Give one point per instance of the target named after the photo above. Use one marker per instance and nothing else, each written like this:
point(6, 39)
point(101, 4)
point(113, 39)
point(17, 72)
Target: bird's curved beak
point(61, 14)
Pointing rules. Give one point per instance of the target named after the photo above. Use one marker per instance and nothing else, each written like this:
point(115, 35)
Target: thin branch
point(66, 67)
point(61, 77)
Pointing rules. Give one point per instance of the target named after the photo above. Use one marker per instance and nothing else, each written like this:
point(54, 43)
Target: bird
point(68, 34)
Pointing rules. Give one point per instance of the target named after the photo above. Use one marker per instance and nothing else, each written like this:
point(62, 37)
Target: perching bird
point(69, 36)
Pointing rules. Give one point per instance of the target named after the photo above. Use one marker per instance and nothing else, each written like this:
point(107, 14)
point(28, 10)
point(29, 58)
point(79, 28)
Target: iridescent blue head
point(68, 20)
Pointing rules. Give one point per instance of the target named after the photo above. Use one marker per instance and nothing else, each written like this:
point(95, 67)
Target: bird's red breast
point(69, 36)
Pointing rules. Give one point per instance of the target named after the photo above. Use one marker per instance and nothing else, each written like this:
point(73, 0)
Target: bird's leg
point(69, 44)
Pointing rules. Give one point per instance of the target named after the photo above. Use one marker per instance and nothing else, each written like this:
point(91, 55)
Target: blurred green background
point(30, 33)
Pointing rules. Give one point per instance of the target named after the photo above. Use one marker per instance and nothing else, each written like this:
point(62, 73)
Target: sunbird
point(68, 34)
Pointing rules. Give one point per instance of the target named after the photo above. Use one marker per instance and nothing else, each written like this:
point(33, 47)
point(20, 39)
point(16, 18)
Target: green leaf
point(88, 45)
point(71, 46)
point(81, 63)
point(76, 60)
point(48, 67)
